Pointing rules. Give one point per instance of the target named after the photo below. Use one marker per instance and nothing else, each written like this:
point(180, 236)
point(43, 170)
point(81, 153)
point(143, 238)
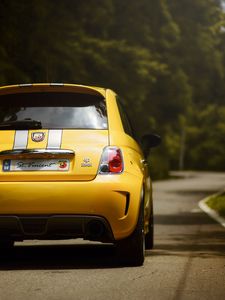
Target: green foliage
point(207, 134)
point(159, 163)
point(218, 204)
point(165, 58)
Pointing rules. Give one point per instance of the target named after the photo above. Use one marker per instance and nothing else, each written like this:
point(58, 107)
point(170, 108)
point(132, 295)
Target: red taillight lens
point(112, 161)
point(115, 161)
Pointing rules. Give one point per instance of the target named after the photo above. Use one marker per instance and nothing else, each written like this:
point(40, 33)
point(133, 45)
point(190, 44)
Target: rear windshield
point(52, 110)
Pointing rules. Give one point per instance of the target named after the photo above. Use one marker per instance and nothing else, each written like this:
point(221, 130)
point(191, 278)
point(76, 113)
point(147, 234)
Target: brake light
point(111, 161)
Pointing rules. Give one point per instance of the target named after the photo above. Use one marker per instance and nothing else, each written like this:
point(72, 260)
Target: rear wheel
point(131, 251)
point(149, 237)
point(6, 244)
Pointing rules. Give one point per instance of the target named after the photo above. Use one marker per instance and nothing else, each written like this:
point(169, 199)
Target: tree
point(165, 58)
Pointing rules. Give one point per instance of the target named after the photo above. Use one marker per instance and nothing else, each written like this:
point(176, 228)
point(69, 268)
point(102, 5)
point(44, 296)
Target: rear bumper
point(113, 198)
point(55, 227)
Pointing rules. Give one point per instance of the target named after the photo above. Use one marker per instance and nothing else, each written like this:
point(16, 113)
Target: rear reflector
point(111, 161)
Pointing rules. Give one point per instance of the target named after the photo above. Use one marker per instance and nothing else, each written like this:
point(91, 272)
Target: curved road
point(188, 261)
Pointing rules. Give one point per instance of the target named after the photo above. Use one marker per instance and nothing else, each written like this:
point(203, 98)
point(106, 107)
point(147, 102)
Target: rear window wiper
point(21, 124)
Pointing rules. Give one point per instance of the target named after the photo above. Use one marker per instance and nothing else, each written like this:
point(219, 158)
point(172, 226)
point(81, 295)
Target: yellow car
point(70, 167)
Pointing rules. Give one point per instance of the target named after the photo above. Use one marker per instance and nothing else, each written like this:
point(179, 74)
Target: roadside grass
point(217, 203)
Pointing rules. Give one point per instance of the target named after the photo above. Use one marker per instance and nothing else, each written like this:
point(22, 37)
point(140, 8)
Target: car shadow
point(59, 257)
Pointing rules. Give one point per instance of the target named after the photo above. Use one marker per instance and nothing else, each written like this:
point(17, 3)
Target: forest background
point(165, 58)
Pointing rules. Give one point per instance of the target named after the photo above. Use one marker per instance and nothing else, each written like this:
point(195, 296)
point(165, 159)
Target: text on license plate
point(36, 165)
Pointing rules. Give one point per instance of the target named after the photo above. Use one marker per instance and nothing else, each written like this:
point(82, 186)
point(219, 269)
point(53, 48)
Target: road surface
point(188, 261)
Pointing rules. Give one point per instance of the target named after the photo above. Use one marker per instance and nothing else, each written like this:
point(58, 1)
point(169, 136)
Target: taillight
point(111, 161)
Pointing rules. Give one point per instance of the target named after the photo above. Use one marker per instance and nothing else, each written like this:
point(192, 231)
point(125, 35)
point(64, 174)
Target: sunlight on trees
point(165, 58)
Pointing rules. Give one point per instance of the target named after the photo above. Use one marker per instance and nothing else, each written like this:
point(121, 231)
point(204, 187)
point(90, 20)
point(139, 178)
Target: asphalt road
point(188, 261)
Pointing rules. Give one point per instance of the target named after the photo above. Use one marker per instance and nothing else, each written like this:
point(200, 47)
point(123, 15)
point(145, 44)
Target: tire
point(6, 245)
point(131, 250)
point(149, 237)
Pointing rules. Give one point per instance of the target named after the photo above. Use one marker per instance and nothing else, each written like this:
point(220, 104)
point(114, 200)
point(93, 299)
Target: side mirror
point(149, 141)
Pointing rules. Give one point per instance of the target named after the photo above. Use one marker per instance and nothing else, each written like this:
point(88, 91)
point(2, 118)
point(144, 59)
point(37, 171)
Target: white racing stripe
point(21, 139)
point(54, 139)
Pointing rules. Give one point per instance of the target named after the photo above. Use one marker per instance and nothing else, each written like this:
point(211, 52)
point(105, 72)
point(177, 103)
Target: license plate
point(36, 165)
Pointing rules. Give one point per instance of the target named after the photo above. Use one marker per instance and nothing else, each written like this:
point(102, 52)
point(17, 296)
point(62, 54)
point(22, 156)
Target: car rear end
point(55, 152)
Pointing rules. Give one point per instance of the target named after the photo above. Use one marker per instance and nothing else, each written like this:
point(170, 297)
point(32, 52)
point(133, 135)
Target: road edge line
point(211, 212)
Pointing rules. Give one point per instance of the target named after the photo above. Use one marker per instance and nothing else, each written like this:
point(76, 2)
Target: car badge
point(86, 162)
point(38, 136)
point(62, 164)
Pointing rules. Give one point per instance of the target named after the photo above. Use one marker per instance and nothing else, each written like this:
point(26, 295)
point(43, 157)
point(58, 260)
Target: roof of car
point(52, 87)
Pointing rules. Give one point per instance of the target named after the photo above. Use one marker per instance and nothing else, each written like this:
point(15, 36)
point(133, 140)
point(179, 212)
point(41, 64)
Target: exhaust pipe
point(95, 230)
